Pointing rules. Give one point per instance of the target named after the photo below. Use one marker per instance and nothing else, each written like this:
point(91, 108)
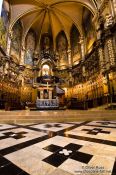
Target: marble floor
point(69, 148)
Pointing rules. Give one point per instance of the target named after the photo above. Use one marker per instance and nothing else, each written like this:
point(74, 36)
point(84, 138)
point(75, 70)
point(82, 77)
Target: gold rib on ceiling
point(63, 27)
point(22, 14)
point(88, 3)
point(77, 24)
point(41, 26)
point(50, 15)
point(52, 29)
point(28, 22)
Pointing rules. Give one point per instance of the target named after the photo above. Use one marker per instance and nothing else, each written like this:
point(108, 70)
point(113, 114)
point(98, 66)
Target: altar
point(48, 96)
point(47, 103)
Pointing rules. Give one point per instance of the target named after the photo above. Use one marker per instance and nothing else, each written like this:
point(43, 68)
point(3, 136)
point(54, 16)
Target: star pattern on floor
point(58, 148)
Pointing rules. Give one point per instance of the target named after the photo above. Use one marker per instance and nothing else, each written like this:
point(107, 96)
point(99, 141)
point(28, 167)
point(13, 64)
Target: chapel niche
point(89, 29)
point(16, 40)
point(30, 44)
point(62, 48)
point(75, 45)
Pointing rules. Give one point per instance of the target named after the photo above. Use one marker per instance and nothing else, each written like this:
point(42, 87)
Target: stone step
point(55, 116)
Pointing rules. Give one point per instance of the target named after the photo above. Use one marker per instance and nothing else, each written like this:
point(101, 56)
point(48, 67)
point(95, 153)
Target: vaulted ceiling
point(50, 16)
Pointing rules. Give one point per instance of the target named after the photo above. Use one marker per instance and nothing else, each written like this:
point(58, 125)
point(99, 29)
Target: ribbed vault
point(50, 16)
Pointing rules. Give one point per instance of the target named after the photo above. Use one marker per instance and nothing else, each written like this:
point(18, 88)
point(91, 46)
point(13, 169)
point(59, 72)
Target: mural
point(62, 47)
point(30, 47)
point(88, 28)
point(75, 46)
point(46, 42)
point(16, 40)
point(4, 22)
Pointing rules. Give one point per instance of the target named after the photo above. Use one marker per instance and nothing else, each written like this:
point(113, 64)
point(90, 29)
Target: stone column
point(111, 52)
point(113, 8)
point(22, 61)
point(110, 48)
point(100, 44)
point(101, 58)
point(82, 42)
point(69, 58)
point(57, 59)
point(8, 49)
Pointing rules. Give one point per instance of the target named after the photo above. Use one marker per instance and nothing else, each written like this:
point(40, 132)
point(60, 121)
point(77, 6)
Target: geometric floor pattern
point(72, 148)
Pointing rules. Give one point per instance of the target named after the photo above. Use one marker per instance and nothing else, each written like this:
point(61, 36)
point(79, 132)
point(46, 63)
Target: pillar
point(69, 58)
point(82, 42)
point(111, 53)
point(113, 8)
point(22, 61)
point(57, 60)
point(101, 58)
point(9, 43)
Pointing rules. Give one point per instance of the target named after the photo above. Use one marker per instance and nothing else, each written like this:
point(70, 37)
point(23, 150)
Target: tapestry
point(75, 45)
point(4, 22)
point(30, 47)
point(62, 48)
point(88, 27)
point(16, 40)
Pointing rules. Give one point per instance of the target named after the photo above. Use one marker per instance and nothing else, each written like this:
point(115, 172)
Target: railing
point(47, 103)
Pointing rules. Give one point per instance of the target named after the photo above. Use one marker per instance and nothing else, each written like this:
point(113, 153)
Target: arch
point(26, 32)
point(75, 44)
point(76, 1)
point(67, 16)
point(20, 16)
point(64, 29)
point(16, 40)
point(61, 34)
point(30, 47)
point(74, 39)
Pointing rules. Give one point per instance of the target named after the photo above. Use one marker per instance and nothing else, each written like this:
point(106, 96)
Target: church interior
point(58, 55)
point(57, 87)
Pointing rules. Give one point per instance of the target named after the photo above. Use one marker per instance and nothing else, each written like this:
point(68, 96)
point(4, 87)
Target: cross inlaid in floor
point(96, 131)
point(52, 125)
point(18, 135)
point(61, 154)
point(8, 168)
